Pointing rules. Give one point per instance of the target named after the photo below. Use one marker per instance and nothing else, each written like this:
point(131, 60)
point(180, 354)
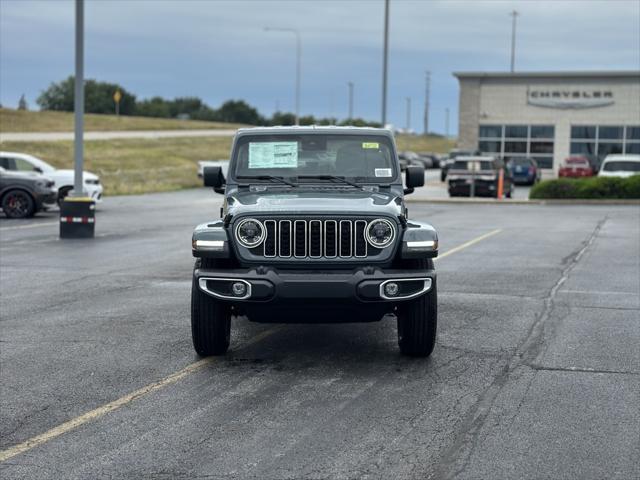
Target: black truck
point(314, 228)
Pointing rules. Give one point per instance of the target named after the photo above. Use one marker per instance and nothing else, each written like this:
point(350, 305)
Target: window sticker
point(374, 145)
point(273, 154)
point(383, 172)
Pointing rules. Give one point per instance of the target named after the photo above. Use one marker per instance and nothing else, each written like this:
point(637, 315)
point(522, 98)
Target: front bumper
point(274, 286)
point(279, 296)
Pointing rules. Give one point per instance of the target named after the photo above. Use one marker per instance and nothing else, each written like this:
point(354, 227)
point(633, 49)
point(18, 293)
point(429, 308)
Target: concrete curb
point(487, 201)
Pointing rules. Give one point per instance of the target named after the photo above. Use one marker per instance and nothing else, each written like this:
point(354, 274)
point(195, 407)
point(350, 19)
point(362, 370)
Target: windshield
point(469, 165)
point(621, 166)
point(367, 158)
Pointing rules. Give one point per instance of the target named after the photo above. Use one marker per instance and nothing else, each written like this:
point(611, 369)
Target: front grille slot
point(316, 238)
point(270, 240)
point(285, 238)
point(345, 238)
point(300, 238)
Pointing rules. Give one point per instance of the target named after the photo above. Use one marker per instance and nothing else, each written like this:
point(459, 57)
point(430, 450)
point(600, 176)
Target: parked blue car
point(525, 171)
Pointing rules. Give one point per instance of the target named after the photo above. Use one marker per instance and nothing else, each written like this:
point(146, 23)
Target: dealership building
point(549, 116)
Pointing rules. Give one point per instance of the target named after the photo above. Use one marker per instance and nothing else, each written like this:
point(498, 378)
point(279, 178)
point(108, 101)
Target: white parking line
point(32, 225)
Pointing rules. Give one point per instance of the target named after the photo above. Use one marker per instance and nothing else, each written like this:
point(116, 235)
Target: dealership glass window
point(583, 148)
point(541, 131)
point(633, 133)
point(596, 142)
point(606, 148)
point(491, 131)
point(490, 146)
point(518, 141)
point(516, 131)
point(610, 133)
point(633, 148)
point(541, 147)
point(515, 147)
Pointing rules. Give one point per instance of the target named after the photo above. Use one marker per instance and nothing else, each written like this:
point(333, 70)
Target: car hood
point(322, 201)
point(70, 173)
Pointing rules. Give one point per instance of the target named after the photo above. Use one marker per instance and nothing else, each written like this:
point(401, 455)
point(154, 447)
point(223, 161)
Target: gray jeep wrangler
point(314, 228)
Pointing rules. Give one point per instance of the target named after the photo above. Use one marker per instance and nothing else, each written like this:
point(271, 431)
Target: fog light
point(391, 289)
point(239, 289)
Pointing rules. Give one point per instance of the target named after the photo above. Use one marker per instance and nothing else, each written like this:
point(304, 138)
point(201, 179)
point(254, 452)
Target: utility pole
point(408, 123)
point(385, 56)
point(350, 84)
point(426, 102)
point(514, 14)
point(446, 122)
point(78, 101)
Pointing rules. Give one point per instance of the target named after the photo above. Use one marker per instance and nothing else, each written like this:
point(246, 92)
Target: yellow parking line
point(120, 402)
point(469, 243)
point(152, 387)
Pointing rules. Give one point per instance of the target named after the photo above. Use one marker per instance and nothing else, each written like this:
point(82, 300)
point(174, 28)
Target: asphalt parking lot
point(536, 372)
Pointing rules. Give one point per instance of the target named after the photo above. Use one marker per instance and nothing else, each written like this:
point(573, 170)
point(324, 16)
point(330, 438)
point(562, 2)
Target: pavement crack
point(468, 438)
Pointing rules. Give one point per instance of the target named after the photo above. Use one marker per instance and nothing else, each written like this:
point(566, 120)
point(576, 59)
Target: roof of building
point(568, 74)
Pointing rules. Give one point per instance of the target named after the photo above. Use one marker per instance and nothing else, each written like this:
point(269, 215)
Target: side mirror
point(414, 177)
point(213, 177)
point(37, 169)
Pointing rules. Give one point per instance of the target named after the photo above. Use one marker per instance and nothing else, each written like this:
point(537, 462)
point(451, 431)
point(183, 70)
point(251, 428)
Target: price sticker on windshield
point(374, 145)
point(273, 154)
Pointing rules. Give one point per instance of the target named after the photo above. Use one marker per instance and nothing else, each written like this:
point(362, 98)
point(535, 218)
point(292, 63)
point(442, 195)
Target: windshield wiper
point(332, 177)
point(267, 177)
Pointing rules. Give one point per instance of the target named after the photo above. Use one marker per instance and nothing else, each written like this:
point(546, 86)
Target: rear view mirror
point(414, 177)
point(213, 177)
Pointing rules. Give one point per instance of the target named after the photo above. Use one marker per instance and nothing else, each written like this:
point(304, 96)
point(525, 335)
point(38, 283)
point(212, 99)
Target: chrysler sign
point(569, 98)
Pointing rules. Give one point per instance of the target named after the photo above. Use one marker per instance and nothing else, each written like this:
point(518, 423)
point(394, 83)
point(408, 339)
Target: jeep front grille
point(315, 239)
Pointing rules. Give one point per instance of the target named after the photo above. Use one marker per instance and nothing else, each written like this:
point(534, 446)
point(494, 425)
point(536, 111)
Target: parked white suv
point(63, 179)
point(622, 166)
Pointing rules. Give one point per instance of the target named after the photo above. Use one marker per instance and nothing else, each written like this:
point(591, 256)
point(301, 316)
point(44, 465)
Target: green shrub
point(588, 188)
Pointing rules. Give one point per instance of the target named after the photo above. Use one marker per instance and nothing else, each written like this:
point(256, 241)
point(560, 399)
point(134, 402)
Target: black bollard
point(77, 217)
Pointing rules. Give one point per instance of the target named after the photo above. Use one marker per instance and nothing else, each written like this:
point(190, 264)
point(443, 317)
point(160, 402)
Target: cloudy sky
point(219, 50)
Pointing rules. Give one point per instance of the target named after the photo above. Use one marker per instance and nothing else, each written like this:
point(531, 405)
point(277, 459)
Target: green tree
point(238, 111)
point(283, 118)
point(22, 103)
point(153, 107)
point(308, 120)
point(98, 97)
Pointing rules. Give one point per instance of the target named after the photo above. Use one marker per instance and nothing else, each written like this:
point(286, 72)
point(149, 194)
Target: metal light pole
point(408, 99)
point(350, 84)
point(446, 122)
point(79, 101)
point(426, 102)
point(298, 58)
point(514, 14)
point(384, 62)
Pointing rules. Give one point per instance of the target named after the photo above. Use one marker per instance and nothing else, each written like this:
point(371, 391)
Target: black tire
point(418, 320)
point(210, 319)
point(18, 204)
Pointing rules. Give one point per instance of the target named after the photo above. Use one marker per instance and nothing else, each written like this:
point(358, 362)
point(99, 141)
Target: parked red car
point(576, 167)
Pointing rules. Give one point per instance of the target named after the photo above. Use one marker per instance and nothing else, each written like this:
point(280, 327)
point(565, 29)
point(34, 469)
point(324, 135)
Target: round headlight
point(250, 233)
point(380, 233)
